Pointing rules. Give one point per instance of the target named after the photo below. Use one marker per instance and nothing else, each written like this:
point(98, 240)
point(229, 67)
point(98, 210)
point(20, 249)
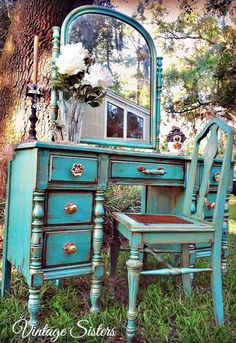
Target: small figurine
point(175, 139)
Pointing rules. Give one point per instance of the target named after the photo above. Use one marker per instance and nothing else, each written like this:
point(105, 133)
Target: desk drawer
point(209, 206)
point(214, 175)
point(70, 247)
point(69, 207)
point(73, 169)
point(124, 169)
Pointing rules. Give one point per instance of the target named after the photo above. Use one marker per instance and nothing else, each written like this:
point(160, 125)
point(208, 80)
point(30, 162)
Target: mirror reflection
point(125, 111)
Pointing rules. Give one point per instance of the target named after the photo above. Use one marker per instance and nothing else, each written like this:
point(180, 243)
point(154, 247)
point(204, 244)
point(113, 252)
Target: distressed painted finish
point(36, 242)
point(225, 248)
point(193, 231)
point(158, 101)
point(134, 267)
point(54, 93)
point(30, 189)
point(130, 170)
point(59, 173)
point(97, 265)
point(54, 253)
point(57, 202)
point(6, 264)
point(34, 305)
point(156, 73)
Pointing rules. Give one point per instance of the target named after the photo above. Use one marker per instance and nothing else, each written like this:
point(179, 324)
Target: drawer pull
point(158, 171)
point(77, 169)
point(70, 208)
point(216, 177)
point(209, 205)
point(69, 248)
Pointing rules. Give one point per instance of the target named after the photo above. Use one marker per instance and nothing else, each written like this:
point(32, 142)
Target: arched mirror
point(129, 112)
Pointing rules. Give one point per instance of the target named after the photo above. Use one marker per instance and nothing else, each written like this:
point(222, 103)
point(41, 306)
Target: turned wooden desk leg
point(225, 248)
point(134, 266)
point(97, 265)
point(34, 305)
point(36, 248)
point(114, 243)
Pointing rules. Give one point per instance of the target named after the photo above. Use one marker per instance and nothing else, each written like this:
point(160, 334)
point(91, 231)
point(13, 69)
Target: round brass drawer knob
point(69, 248)
point(77, 169)
point(210, 205)
point(70, 208)
point(216, 177)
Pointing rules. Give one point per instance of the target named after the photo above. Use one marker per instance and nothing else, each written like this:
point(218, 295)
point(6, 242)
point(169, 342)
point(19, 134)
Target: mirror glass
point(125, 111)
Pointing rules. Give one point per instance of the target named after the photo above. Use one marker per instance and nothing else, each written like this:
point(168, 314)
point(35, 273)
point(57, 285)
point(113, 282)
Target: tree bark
point(35, 17)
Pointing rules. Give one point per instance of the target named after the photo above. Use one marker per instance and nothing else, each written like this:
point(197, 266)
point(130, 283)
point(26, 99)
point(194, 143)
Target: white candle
point(36, 53)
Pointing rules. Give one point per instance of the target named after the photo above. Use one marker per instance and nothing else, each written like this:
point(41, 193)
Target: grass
point(164, 313)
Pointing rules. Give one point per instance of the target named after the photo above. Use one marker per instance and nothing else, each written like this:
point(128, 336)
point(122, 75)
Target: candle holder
point(34, 91)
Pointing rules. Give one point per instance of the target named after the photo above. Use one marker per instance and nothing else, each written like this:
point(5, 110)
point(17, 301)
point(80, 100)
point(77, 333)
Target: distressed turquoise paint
point(43, 162)
point(54, 93)
point(129, 170)
point(134, 266)
point(37, 185)
point(56, 207)
point(158, 102)
point(155, 100)
point(54, 247)
point(69, 272)
point(175, 271)
point(103, 171)
point(36, 241)
point(186, 234)
point(6, 265)
point(23, 181)
point(61, 169)
point(97, 264)
point(34, 305)
point(208, 213)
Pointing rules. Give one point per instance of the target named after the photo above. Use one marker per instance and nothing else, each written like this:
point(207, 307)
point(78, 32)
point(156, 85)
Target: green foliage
point(200, 41)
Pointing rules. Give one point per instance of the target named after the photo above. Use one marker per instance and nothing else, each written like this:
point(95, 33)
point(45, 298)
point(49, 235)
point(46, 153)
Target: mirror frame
point(155, 74)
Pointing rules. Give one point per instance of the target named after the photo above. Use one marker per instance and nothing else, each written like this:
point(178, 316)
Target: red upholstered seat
point(156, 219)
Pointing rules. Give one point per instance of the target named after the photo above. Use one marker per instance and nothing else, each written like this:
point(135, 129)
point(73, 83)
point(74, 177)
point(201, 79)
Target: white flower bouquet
point(80, 76)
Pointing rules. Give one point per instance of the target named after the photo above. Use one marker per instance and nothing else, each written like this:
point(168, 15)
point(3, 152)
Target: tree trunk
point(16, 65)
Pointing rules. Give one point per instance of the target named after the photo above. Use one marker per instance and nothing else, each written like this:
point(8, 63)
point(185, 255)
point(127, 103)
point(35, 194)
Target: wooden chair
point(147, 229)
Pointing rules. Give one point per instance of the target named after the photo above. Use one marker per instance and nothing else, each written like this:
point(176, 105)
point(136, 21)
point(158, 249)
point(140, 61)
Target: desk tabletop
point(101, 150)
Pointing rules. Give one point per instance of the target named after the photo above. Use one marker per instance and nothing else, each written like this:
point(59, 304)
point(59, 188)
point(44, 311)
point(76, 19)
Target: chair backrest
point(210, 153)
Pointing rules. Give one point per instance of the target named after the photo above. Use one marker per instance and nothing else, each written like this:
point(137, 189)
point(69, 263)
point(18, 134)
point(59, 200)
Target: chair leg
point(216, 285)
point(134, 266)
point(187, 283)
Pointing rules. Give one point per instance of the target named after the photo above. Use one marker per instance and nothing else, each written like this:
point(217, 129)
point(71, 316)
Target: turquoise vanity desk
point(55, 193)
